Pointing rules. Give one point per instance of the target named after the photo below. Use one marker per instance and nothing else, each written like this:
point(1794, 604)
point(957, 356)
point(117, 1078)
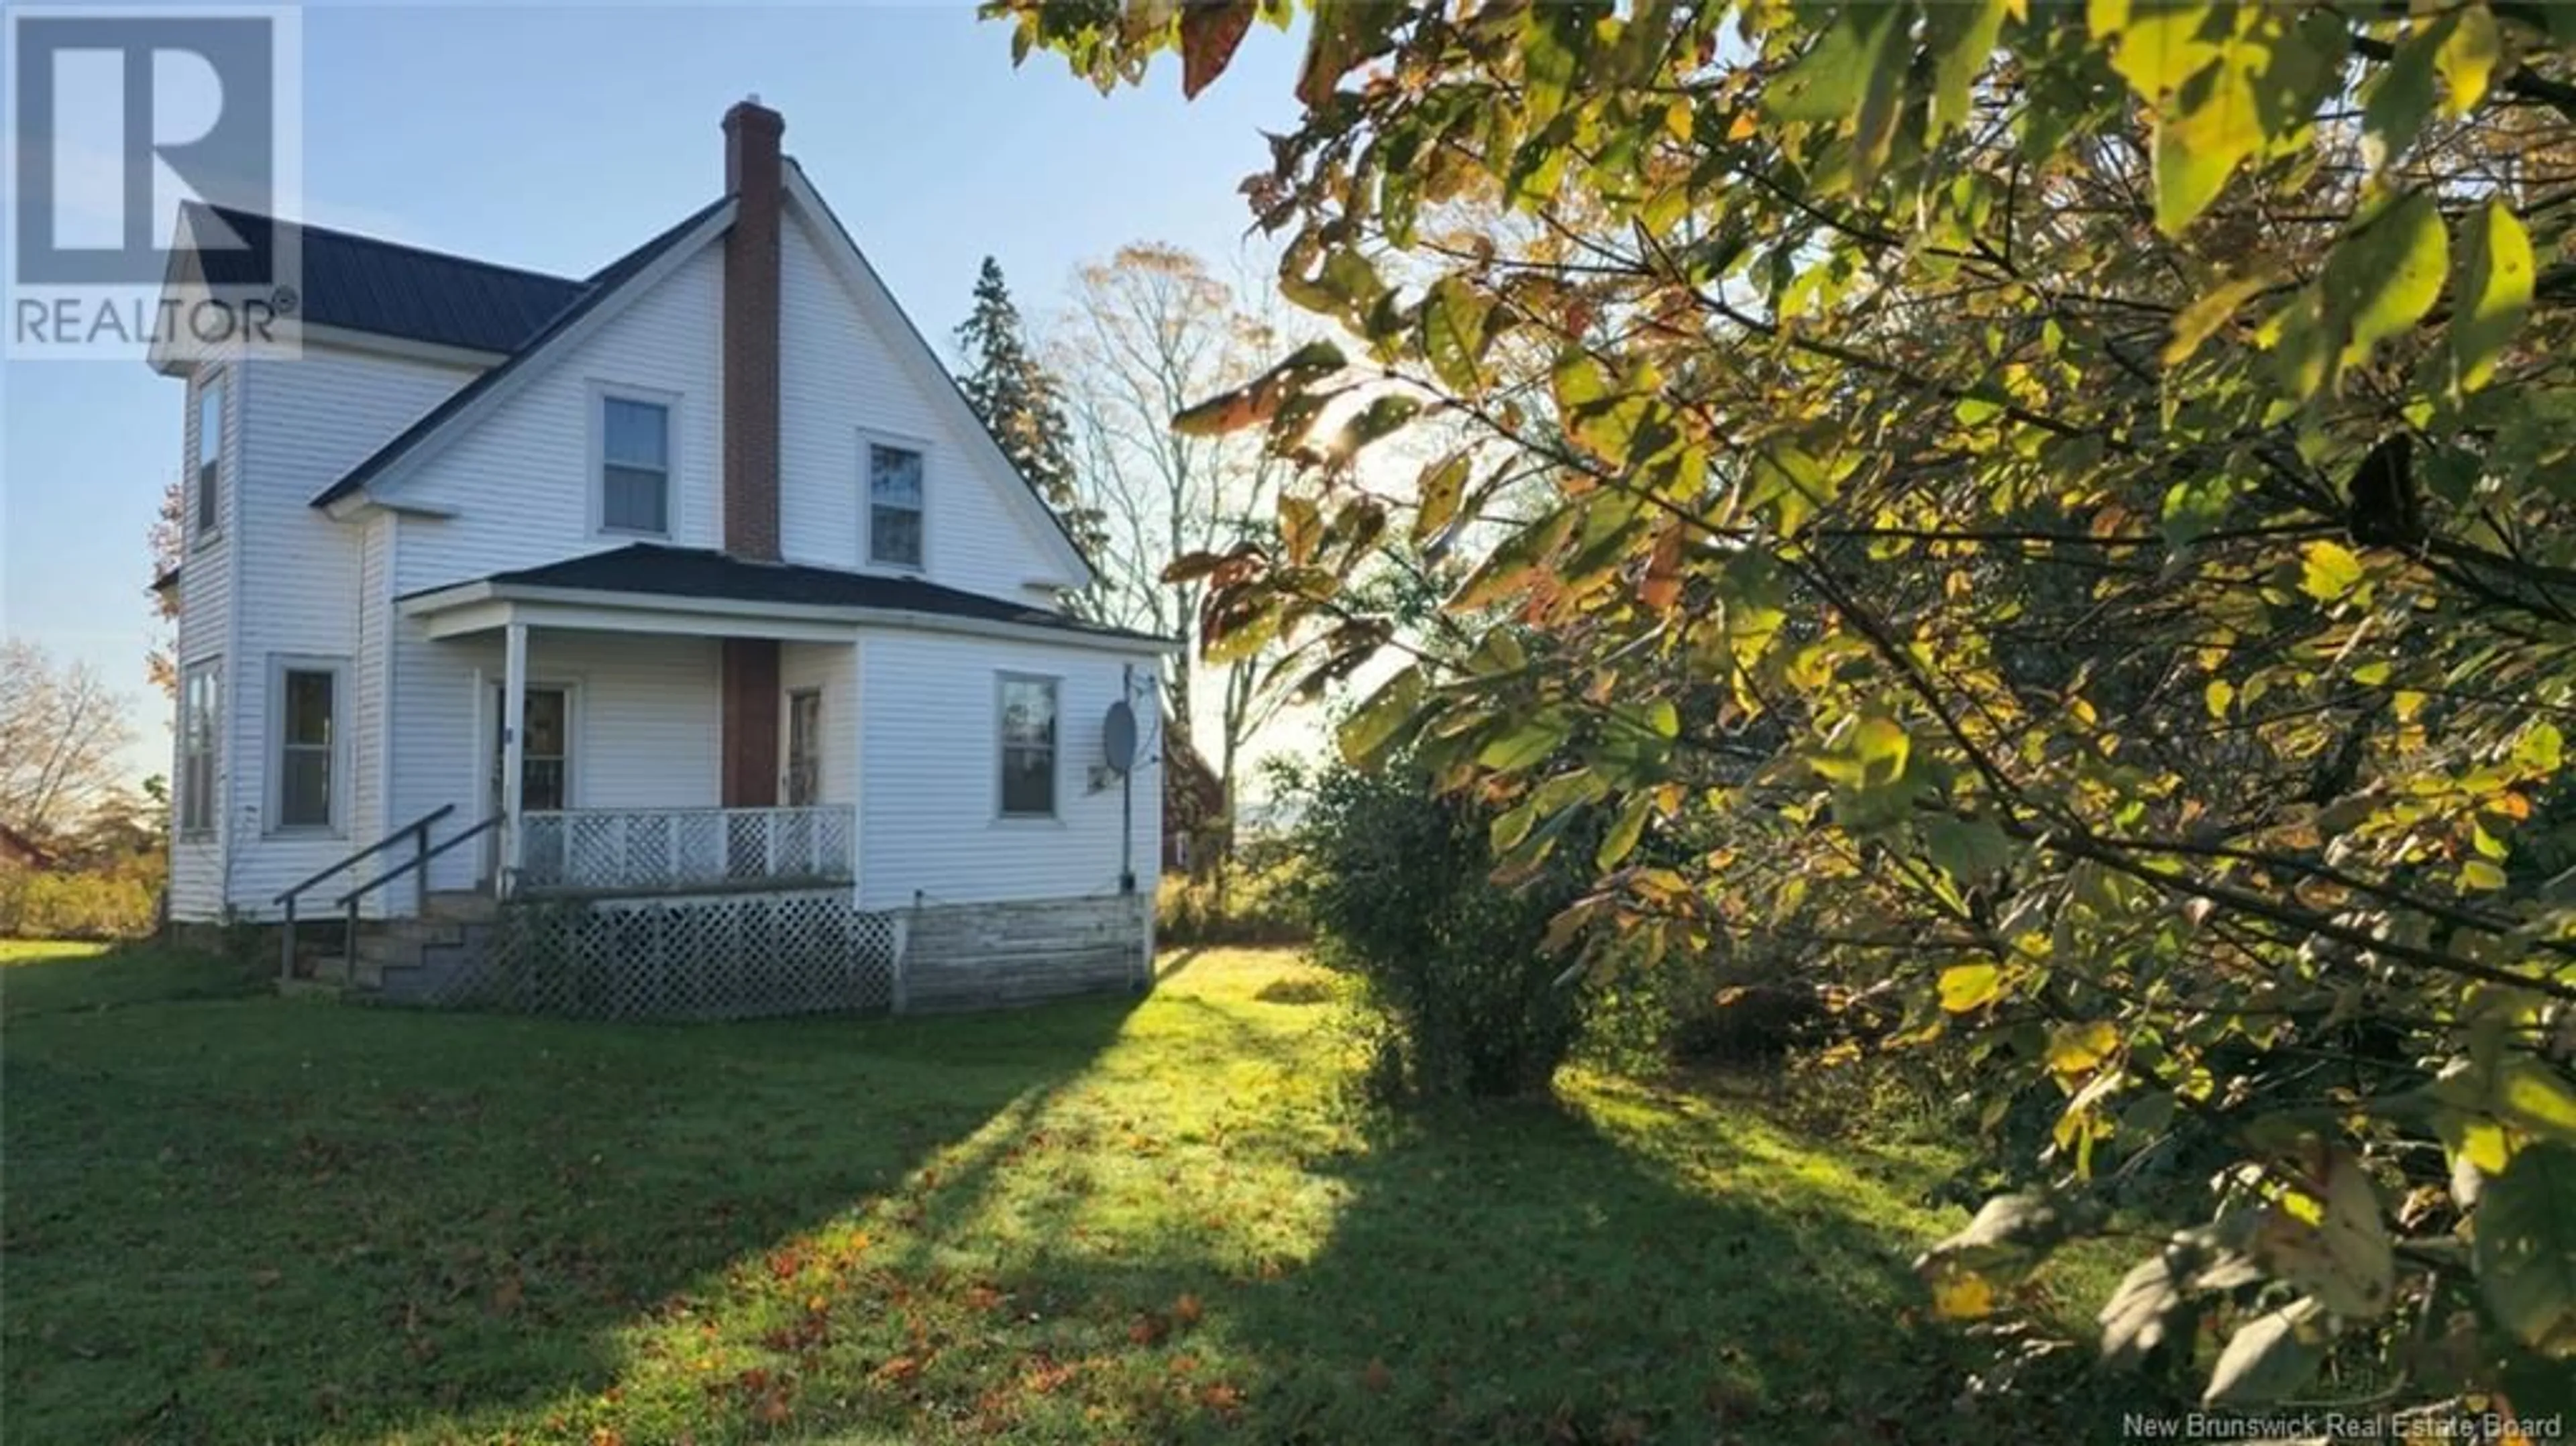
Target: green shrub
point(116, 902)
point(1402, 899)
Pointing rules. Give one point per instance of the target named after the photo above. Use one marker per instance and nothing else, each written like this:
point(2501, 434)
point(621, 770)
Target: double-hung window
point(206, 512)
point(305, 720)
point(894, 505)
point(634, 466)
point(1028, 746)
point(200, 699)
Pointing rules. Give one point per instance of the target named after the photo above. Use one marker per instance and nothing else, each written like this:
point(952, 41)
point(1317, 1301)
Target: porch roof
point(657, 577)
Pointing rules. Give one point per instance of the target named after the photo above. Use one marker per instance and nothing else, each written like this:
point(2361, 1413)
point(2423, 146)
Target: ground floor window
point(1028, 746)
point(304, 713)
point(200, 703)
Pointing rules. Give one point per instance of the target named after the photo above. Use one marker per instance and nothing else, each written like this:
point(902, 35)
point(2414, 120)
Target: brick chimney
point(755, 178)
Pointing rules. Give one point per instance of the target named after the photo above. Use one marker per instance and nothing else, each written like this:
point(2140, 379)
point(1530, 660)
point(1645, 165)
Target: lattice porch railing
point(614, 851)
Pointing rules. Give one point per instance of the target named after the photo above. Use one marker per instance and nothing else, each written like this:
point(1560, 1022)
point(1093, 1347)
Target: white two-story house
point(689, 580)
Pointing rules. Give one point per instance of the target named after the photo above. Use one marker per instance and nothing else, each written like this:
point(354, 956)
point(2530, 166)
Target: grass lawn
point(233, 1217)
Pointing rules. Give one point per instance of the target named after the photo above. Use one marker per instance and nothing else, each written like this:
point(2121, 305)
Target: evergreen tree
point(1020, 402)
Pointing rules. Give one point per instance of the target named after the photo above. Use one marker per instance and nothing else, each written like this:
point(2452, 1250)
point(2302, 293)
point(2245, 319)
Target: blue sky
point(558, 137)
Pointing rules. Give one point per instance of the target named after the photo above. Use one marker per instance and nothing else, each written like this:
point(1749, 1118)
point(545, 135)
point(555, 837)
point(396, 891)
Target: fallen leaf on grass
point(1186, 1310)
point(1046, 1374)
point(900, 1369)
point(1377, 1377)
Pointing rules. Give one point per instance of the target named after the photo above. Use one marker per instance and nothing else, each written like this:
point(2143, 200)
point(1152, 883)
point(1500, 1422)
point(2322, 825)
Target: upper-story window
point(634, 465)
point(894, 505)
point(206, 514)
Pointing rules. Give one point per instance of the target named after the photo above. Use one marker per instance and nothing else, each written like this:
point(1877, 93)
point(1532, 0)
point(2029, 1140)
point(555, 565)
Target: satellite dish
point(1118, 737)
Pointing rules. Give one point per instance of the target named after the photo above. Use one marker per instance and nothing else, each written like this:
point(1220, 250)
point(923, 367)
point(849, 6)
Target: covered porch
point(625, 752)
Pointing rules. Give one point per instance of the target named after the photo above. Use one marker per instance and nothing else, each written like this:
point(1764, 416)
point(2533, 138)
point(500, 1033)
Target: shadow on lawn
point(263, 1219)
point(1506, 1273)
point(86, 977)
point(1512, 1273)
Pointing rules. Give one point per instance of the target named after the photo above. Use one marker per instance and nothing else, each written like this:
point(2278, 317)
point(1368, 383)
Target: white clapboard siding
point(206, 591)
point(367, 679)
point(520, 481)
point(930, 776)
point(305, 589)
point(646, 724)
point(841, 378)
point(909, 717)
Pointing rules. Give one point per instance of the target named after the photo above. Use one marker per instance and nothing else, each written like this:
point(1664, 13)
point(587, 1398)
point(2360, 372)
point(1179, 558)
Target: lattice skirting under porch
point(733, 956)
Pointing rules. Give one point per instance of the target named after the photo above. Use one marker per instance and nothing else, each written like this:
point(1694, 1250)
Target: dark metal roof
point(385, 288)
point(587, 295)
point(656, 569)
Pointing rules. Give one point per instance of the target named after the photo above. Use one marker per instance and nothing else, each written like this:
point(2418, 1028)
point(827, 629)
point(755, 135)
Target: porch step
point(472, 905)
point(399, 941)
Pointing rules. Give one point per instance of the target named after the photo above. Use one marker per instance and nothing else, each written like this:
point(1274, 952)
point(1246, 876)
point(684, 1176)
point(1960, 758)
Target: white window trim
point(1054, 816)
point(201, 828)
point(872, 437)
point(216, 380)
point(601, 393)
point(274, 754)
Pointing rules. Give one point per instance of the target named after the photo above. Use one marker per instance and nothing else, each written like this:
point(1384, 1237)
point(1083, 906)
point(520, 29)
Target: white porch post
point(514, 718)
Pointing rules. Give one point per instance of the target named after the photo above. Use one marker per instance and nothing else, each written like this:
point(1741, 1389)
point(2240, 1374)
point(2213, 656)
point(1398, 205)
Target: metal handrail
point(417, 828)
point(379, 846)
point(418, 862)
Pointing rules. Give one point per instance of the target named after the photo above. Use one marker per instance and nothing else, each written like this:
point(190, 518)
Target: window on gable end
point(894, 505)
point(634, 466)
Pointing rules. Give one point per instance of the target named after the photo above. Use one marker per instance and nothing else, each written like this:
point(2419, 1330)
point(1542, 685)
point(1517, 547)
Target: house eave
point(483, 605)
point(364, 503)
